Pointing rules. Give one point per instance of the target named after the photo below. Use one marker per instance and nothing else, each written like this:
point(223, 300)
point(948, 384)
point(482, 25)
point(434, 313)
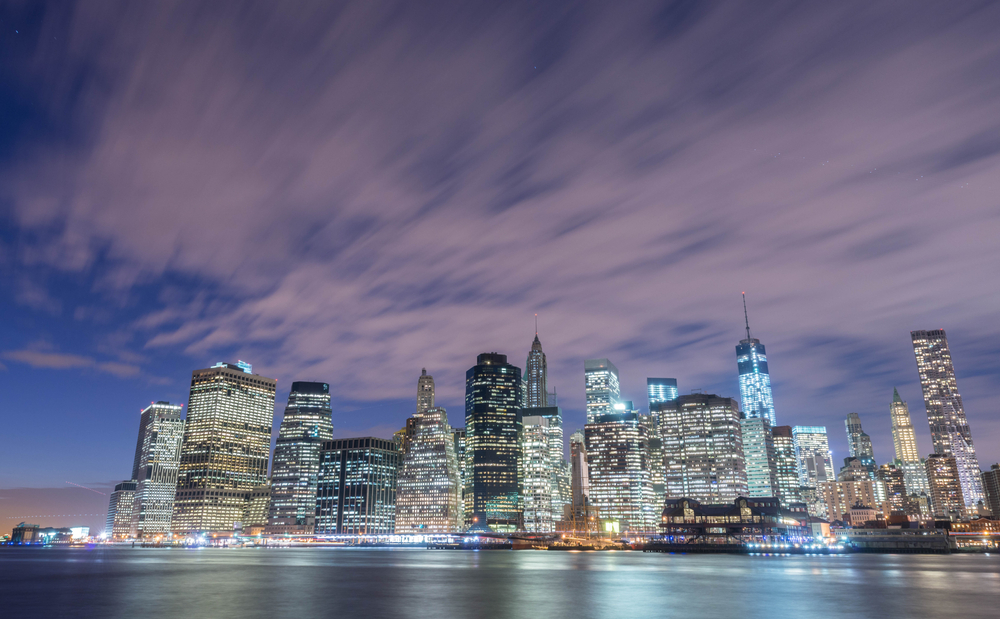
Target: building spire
point(536, 325)
point(895, 396)
point(745, 314)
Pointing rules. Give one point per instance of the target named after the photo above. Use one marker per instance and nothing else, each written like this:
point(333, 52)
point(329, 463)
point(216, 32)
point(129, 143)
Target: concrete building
point(428, 495)
point(356, 491)
point(840, 496)
point(943, 476)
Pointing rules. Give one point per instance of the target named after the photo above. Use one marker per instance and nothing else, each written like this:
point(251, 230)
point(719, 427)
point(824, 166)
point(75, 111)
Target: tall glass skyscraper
point(157, 456)
point(786, 466)
point(904, 439)
point(493, 392)
point(227, 444)
point(755, 381)
point(758, 451)
point(536, 377)
point(306, 425)
point(356, 491)
point(429, 495)
point(950, 432)
point(812, 454)
point(661, 390)
point(603, 390)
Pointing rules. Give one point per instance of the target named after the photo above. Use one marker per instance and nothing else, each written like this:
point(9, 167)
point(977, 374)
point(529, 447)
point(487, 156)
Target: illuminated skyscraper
point(759, 456)
point(755, 381)
point(859, 444)
point(428, 496)
point(815, 463)
point(943, 476)
point(904, 439)
point(786, 466)
point(603, 390)
point(991, 488)
point(702, 448)
point(618, 462)
point(540, 485)
point(227, 442)
point(579, 471)
point(536, 377)
point(356, 491)
point(306, 425)
point(950, 432)
point(157, 457)
point(425, 391)
point(119, 521)
point(459, 435)
point(661, 390)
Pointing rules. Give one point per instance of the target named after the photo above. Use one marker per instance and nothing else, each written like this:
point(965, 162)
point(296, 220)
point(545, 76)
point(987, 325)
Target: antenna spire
point(536, 325)
point(745, 318)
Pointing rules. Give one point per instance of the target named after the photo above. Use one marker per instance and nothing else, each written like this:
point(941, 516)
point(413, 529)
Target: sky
point(350, 192)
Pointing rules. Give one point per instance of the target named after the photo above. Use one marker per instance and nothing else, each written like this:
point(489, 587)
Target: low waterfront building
point(24, 533)
point(356, 487)
point(746, 516)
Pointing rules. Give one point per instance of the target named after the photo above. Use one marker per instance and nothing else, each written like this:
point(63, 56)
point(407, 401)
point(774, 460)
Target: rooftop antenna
point(536, 324)
point(745, 314)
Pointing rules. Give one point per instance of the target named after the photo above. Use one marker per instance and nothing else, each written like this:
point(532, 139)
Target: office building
point(493, 392)
point(458, 434)
point(950, 432)
point(580, 475)
point(540, 485)
point(157, 458)
point(256, 509)
point(702, 448)
point(306, 425)
point(786, 466)
point(536, 377)
point(425, 391)
point(227, 444)
point(602, 387)
point(429, 495)
point(947, 501)
point(357, 487)
point(904, 440)
point(815, 464)
point(759, 457)
point(840, 496)
point(119, 522)
point(660, 390)
point(657, 472)
point(859, 444)
point(618, 462)
point(755, 381)
point(991, 488)
point(893, 480)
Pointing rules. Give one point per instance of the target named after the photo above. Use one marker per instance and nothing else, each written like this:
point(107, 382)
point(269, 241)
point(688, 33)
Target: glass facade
point(950, 432)
point(618, 462)
point(755, 381)
point(306, 425)
point(602, 387)
point(540, 486)
point(759, 457)
point(493, 392)
point(661, 390)
point(429, 495)
point(904, 440)
point(786, 466)
point(157, 458)
point(119, 521)
point(815, 465)
point(357, 487)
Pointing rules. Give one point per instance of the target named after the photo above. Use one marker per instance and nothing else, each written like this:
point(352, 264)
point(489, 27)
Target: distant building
point(950, 432)
point(786, 466)
point(540, 482)
point(227, 444)
point(602, 387)
point(991, 487)
point(812, 454)
point(429, 495)
point(357, 487)
point(536, 377)
point(256, 509)
point(947, 502)
point(702, 448)
point(661, 390)
point(893, 479)
point(307, 424)
point(157, 458)
point(755, 380)
point(25, 533)
point(904, 439)
point(458, 434)
point(859, 444)
point(618, 463)
point(840, 496)
point(580, 474)
point(760, 457)
point(493, 392)
point(119, 521)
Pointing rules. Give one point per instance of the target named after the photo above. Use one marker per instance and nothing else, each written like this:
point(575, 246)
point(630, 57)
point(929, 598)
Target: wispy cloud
point(47, 359)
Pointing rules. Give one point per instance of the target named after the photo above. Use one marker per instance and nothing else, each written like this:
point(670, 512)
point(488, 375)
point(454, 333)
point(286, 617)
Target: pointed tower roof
point(895, 396)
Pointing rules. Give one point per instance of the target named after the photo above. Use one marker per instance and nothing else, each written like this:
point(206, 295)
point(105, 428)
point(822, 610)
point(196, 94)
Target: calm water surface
point(305, 583)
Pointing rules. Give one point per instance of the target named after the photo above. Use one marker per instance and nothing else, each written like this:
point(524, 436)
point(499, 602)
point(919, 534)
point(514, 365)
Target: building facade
point(950, 432)
point(119, 521)
point(702, 448)
point(157, 458)
point(493, 392)
point(991, 488)
point(536, 377)
point(815, 464)
point(618, 463)
point(429, 494)
point(944, 478)
point(755, 380)
point(786, 466)
point(226, 447)
point(759, 457)
point(904, 440)
point(859, 444)
point(660, 390)
point(540, 486)
point(602, 387)
point(307, 424)
point(356, 490)
point(840, 496)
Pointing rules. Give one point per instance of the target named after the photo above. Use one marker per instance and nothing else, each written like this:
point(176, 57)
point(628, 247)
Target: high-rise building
point(660, 390)
point(947, 502)
point(786, 466)
point(536, 377)
point(425, 391)
point(157, 456)
point(755, 381)
point(702, 448)
point(950, 432)
point(428, 495)
point(493, 391)
point(991, 488)
point(256, 509)
point(904, 439)
point(603, 389)
point(580, 475)
point(540, 476)
point(119, 521)
point(227, 444)
point(356, 489)
point(815, 463)
point(840, 496)
point(893, 480)
point(306, 425)
point(558, 469)
point(618, 462)
point(759, 457)
point(459, 435)
point(859, 444)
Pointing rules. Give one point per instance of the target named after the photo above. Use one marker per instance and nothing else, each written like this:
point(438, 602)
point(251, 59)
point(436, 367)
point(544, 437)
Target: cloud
point(50, 360)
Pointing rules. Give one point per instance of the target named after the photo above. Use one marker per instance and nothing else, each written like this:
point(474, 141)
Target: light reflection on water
point(305, 583)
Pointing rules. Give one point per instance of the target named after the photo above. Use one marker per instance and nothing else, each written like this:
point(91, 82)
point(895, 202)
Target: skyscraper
point(759, 456)
point(786, 466)
point(660, 390)
point(991, 488)
point(603, 390)
point(227, 444)
point(578, 464)
point(536, 376)
point(618, 462)
point(428, 495)
point(950, 432)
point(157, 457)
point(306, 425)
point(119, 522)
point(540, 477)
point(356, 491)
point(815, 464)
point(425, 391)
point(904, 439)
point(702, 448)
point(493, 392)
point(755, 381)
point(947, 502)
point(859, 444)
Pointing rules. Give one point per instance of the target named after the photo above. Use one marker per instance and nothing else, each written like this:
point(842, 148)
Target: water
point(417, 583)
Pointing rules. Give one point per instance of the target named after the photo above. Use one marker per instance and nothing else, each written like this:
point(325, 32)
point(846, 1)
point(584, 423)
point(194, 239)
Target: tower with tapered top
point(755, 381)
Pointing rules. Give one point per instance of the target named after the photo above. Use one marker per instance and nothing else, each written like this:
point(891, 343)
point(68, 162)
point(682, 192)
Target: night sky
point(349, 192)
